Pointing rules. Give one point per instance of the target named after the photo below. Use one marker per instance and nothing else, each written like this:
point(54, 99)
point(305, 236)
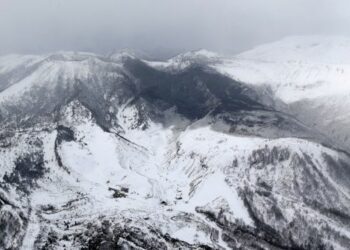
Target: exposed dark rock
point(64, 134)
point(262, 157)
point(119, 193)
point(28, 169)
point(112, 236)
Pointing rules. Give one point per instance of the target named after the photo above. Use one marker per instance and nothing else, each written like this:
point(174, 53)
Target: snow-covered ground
point(295, 68)
point(192, 180)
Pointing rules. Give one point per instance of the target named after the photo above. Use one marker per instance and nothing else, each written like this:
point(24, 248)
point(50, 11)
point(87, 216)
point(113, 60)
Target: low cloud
point(161, 27)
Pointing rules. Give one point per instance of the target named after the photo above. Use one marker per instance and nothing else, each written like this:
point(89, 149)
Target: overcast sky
point(163, 26)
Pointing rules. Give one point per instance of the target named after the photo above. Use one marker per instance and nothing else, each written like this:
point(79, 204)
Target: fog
point(163, 27)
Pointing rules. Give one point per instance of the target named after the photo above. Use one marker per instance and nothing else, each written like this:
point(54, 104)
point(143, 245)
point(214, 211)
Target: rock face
point(119, 153)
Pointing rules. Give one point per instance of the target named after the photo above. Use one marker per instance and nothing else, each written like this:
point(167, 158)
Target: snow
point(31, 233)
point(103, 162)
point(191, 235)
point(182, 61)
point(46, 73)
point(50, 70)
point(161, 164)
point(9, 63)
point(296, 68)
point(170, 170)
point(100, 160)
point(215, 186)
point(306, 49)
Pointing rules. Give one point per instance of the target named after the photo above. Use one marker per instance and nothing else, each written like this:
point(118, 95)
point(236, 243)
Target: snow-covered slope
point(296, 68)
point(120, 153)
point(307, 49)
point(20, 74)
point(310, 74)
point(182, 61)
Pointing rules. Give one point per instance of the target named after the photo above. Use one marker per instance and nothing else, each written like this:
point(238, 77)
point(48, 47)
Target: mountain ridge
point(122, 153)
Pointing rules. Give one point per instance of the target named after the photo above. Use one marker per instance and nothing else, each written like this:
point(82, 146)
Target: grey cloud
point(163, 26)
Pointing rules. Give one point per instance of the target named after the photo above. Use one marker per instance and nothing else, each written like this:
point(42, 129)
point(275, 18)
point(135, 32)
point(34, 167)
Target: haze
point(163, 27)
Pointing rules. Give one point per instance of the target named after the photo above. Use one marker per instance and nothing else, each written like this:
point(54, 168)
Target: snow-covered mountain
point(310, 74)
point(198, 152)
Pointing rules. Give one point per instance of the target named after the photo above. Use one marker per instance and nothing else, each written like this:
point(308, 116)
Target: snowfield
point(198, 152)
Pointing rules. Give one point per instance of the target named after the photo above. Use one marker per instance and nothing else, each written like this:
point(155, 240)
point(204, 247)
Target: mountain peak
point(303, 49)
point(200, 55)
